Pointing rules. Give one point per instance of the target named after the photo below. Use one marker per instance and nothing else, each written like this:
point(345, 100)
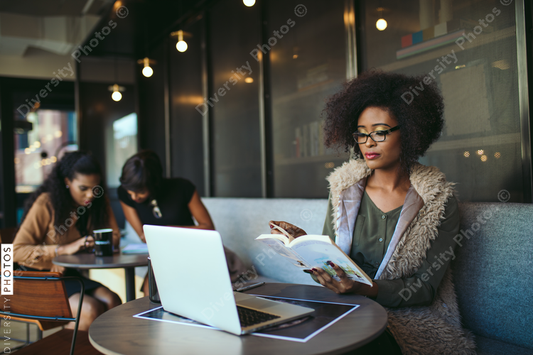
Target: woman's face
point(379, 155)
point(139, 197)
point(81, 188)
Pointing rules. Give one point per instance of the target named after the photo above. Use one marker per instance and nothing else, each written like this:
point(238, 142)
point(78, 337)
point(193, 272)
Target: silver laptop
point(193, 281)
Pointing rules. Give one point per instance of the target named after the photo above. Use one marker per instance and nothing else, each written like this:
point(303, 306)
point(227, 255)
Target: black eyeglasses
point(156, 211)
point(377, 136)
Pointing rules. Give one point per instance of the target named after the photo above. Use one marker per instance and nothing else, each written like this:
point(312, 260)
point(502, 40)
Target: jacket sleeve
point(420, 288)
point(29, 247)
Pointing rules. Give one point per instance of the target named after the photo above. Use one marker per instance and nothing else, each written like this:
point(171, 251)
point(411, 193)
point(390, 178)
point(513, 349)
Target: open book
point(310, 251)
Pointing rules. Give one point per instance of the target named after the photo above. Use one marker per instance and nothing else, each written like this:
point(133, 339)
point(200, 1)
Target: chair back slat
point(52, 296)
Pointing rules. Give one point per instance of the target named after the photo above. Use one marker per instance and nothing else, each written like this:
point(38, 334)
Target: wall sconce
point(181, 46)
point(295, 52)
point(147, 70)
point(381, 24)
point(116, 89)
point(249, 3)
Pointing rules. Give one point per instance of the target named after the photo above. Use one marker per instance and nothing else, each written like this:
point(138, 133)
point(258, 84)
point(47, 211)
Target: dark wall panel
point(185, 120)
point(235, 31)
point(151, 100)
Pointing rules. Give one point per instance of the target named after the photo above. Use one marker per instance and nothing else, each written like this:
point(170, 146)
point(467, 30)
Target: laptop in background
point(193, 281)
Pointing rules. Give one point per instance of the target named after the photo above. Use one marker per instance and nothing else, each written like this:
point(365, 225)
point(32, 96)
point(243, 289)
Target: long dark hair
point(72, 163)
point(142, 171)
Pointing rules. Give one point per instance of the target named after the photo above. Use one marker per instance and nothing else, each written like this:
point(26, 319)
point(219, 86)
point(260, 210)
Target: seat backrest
point(240, 220)
point(493, 271)
point(36, 297)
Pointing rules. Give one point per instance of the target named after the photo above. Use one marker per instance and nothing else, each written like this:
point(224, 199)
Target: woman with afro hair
point(59, 219)
point(393, 216)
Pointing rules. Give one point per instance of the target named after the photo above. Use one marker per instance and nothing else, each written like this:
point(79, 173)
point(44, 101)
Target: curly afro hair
point(420, 114)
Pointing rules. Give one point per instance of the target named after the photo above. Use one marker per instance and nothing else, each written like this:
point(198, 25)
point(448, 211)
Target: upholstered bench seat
point(493, 270)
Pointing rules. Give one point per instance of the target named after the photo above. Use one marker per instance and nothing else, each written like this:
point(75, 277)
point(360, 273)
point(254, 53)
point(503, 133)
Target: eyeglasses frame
point(386, 133)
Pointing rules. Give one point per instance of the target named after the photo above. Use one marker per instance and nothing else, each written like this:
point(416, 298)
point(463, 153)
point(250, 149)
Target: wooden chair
point(41, 296)
point(7, 236)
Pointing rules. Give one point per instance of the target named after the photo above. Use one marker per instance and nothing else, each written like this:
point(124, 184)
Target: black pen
point(246, 288)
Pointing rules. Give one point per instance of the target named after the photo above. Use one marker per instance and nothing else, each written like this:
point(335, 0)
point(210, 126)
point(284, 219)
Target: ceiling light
point(147, 70)
point(249, 3)
point(381, 24)
point(116, 89)
point(181, 46)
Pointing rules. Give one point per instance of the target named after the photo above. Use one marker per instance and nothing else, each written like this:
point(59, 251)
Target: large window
point(308, 64)
point(122, 144)
point(40, 141)
point(469, 49)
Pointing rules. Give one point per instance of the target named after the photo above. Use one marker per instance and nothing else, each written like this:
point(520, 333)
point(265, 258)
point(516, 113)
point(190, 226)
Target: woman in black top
point(148, 198)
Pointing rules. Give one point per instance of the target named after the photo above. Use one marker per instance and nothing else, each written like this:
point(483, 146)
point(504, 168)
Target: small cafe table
point(90, 261)
point(118, 332)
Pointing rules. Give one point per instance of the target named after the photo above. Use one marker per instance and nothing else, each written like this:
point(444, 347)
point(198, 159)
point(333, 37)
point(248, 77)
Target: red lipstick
point(372, 156)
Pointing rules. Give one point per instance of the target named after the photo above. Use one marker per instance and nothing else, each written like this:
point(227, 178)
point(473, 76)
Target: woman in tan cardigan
point(59, 219)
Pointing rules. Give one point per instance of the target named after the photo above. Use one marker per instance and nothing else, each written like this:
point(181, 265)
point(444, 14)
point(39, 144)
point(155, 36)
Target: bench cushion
point(493, 271)
point(487, 346)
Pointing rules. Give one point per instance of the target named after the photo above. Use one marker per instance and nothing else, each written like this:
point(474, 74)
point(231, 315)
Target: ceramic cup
point(103, 242)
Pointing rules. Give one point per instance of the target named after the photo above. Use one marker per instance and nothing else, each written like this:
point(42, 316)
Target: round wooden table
point(90, 261)
point(117, 332)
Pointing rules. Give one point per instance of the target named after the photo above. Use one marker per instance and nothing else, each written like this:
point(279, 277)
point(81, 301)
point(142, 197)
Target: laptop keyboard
point(250, 317)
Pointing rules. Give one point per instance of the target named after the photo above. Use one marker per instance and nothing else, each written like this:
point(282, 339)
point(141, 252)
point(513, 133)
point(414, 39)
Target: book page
point(282, 238)
point(282, 250)
point(317, 253)
point(303, 238)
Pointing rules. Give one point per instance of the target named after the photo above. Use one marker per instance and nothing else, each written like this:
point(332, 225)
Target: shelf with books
point(485, 38)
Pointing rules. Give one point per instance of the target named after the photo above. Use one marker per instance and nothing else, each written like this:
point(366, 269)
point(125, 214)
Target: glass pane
point(469, 49)
point(37, 149)
point(308, 64)
point(123, 144)
point(234, 100)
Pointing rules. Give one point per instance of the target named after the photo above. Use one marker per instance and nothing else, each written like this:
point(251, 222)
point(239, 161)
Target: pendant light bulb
point(116, 95)
point(381, 24)
point(249, 3)
point(181, 46)
point(147, 70)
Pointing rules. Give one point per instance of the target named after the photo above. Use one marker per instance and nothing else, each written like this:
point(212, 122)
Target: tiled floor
point(19, 331)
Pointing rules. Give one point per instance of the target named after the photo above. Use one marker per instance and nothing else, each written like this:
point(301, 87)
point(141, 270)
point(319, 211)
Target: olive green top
point(372, 234)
